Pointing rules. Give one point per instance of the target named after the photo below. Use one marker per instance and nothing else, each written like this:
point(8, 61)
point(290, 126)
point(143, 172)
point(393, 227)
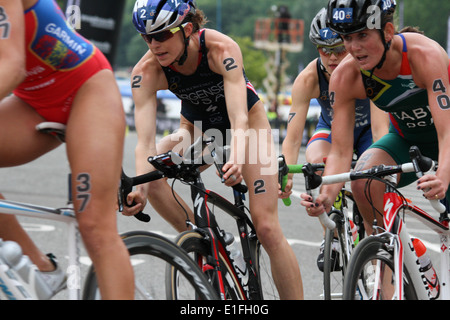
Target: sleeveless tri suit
point(202, 94)
point(58, 62)
point(411, 122)
point(362, 133)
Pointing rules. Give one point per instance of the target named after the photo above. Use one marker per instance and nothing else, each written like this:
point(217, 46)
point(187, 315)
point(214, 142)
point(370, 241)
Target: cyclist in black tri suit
point(406, 75)
point(204, 68)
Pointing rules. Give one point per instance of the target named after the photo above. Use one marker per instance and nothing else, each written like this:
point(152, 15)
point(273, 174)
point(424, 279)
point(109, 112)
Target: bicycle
point(210, 245)
point(338, 226)
point(140, 244)
point(384, 265)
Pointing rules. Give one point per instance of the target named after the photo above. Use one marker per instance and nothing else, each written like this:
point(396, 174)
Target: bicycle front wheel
point(150, 253)
point(199, 249)
point(371, 273)
point(335, 259)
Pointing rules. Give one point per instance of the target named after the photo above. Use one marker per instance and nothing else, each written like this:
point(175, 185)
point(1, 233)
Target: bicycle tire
point(149, 253)
point(361, 270)
point(334, 269)
point(199, 248)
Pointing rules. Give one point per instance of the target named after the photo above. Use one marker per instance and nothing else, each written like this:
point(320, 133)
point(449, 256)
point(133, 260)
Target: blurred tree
point(254, 61)
point(238, 20)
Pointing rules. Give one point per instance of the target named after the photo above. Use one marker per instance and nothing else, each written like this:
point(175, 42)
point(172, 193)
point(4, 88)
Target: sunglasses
point(162, 36)
point(328, 51)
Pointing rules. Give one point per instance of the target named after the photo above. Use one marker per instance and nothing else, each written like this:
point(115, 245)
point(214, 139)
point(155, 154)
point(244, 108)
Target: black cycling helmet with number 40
point(352, 16)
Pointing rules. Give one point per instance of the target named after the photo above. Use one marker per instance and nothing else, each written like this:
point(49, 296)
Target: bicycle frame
point(404, 253)
point(65, 215)
point(205, 221)
point(395, 230)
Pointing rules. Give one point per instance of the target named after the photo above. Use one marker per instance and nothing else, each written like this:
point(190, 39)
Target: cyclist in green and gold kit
point(406, 75)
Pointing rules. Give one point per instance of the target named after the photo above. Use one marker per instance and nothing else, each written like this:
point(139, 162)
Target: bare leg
point(95, 138)
point(21, 144)
point(263, 194)
point(367, 160)
point(160, 193)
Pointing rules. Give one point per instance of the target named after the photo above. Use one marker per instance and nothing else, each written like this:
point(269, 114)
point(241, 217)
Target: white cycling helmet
point(320, 34)
point(152, 16)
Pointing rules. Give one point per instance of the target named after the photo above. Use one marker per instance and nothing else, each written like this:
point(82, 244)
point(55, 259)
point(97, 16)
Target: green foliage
point(431, 16)
point(61, 3)
point(238, 20)
point(254, 61)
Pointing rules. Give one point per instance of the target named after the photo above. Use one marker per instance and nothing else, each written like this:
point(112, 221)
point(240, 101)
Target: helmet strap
point(323, 69)
point(184, 56)
point(387, 46)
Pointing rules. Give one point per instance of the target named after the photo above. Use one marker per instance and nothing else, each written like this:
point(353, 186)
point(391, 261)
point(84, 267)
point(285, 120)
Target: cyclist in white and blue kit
point(312, 83)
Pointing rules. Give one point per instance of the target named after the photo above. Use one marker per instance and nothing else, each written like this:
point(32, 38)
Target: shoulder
point(425, 56)
point(217, 40)
point(148, 73)
point(307, 82)
point(420, 46)
point(218, 44)
point(223, 52)
point(347, 79)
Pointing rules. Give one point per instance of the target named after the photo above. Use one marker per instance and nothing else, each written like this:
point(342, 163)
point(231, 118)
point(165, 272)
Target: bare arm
point(12, 46)
point(304, 89)
point(226, 59)
point(430, 68)
point(339, 158)
point(144, 85)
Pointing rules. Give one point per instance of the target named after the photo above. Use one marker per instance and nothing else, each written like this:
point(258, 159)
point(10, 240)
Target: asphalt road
point(44, 182)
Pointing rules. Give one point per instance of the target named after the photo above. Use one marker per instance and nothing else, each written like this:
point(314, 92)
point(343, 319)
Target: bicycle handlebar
point(313, 181)
point(126, 185)
point(173, 165)
point(284, 169)
point(419, 164)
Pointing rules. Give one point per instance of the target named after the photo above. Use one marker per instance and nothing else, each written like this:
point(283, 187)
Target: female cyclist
point(204, 68)
point(312, 83)
point(56, 75)
point(406, 75)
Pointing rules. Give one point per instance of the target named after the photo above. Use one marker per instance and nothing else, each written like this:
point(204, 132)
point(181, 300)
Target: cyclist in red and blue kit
point(56, 75)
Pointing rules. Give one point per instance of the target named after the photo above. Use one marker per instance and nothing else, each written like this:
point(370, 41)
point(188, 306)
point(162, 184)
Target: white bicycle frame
point(65, 215)
point(404, 254)
point(404, 250)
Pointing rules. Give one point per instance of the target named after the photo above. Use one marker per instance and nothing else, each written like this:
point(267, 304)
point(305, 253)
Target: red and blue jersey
point(58, 61)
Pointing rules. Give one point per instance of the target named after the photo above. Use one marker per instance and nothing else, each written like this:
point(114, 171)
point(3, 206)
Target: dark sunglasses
point(337, 51)
point(162, 36)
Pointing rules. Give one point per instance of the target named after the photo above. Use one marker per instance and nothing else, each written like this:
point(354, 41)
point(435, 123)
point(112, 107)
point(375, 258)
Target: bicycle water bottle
point(22, 273)
point(237, 257)
point(427, 268)
point(354, 231)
